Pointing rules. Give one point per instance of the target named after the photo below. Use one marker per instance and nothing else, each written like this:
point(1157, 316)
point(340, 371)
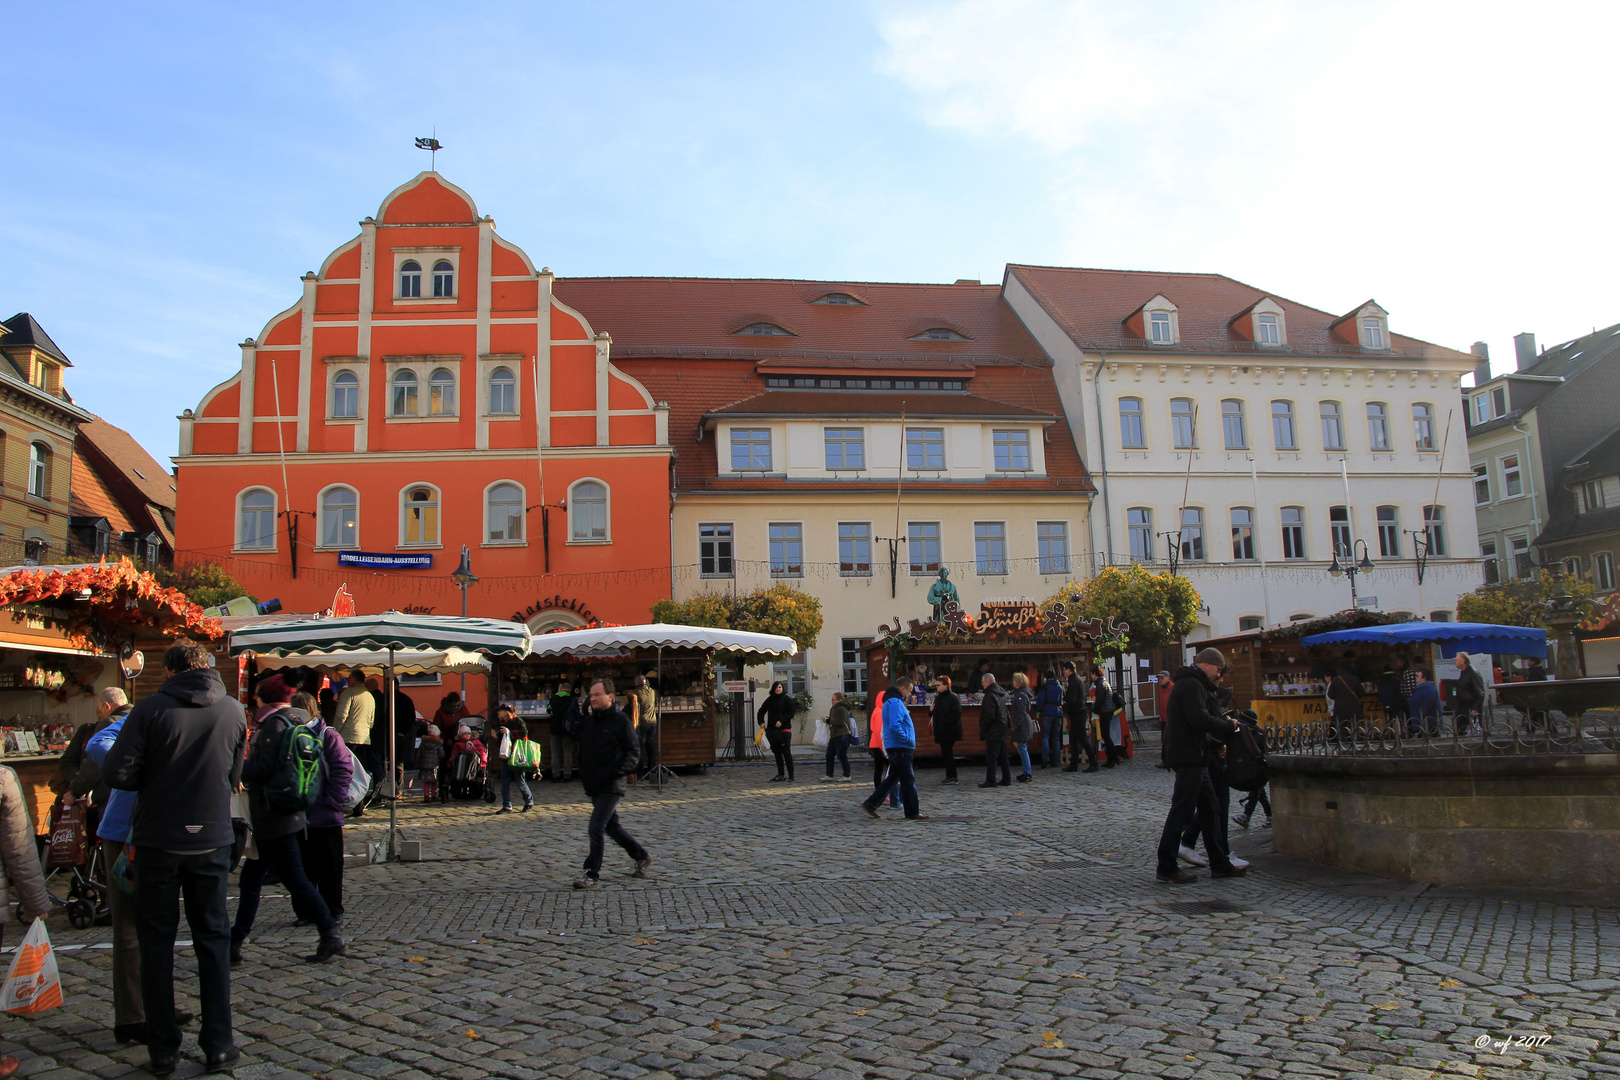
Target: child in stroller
point(469, 768)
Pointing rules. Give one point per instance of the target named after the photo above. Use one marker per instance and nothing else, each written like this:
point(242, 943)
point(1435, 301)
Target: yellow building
point(39, 422)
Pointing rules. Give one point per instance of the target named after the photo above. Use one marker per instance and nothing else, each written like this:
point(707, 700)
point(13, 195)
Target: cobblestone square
point(784, 934)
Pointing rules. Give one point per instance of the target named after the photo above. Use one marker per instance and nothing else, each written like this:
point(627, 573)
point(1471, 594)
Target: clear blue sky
point(172, 170)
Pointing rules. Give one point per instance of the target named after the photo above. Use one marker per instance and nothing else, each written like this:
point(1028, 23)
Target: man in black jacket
point(181, 749)
point(608, 752)
point(1193, 717)
point(1078, 710)
point(993, 728)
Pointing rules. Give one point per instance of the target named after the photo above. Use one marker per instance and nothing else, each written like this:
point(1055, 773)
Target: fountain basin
point(1568, 696)
point(1539, 820)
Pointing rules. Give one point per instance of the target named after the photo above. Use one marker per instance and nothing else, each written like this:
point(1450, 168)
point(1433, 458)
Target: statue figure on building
point(940, 592)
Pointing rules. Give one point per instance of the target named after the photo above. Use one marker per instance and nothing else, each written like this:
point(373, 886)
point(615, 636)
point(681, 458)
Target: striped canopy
point(660, 636)
point(406, 661)
point(390, 630)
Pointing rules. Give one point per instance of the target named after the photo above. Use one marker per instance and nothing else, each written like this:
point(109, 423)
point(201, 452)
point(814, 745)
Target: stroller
point(469, 771)
point(71, 849)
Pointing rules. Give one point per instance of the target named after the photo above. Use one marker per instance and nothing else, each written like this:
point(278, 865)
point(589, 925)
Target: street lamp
point(1351, 567)
point(463, 577)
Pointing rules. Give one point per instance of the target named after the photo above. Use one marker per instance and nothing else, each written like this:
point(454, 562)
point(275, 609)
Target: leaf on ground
point(715, 1026)
point(1076, 975)
point(416, 959)
point(1387, 1005)
point(471, 1034)
point(1051, 1039)
point(860, 1012)
point(1450, 982)
point(1308, 1018)
point(646, 941)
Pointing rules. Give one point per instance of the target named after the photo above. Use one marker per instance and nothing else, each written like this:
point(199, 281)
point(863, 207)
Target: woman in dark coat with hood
point(776, 715)
point(946, 717)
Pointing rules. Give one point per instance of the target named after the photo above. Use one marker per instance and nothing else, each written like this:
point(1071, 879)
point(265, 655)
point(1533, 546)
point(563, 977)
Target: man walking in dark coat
point(993, 727)
point(1193, 717)
point(608, 752)
point(1078, 709)
point(181, 750)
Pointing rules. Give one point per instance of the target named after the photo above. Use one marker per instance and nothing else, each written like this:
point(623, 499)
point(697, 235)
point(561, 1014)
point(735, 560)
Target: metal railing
point(1496, 731)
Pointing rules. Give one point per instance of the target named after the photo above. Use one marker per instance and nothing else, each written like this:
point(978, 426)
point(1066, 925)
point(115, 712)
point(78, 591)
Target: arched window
point(444, 279)
point(1282, 425)
point(502, 392)
point(442, 393)
point(1242, 534)
point(410, 279)
point(763, 329)
point(1131, 434)
point(421, 509)
point(1232, 425)
point(588, 511)
point(1377, 425)
point(1139, 525)
point(1293, 532)
point(258, 518)
point(346, 395)
point(503, 505)
point(1423, 426)
point(39, 470)
point(404, 393)
point(1182, 420)
point(340, 518)
point(1192, 534)
point(1332, 426)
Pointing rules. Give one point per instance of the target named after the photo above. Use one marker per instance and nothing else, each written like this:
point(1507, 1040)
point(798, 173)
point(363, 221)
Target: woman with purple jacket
point(323, 839)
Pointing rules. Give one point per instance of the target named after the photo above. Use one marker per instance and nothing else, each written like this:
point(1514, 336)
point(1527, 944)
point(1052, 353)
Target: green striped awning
point(390, 630)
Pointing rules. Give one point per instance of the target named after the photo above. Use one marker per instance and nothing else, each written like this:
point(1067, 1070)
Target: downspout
point(1102, 457)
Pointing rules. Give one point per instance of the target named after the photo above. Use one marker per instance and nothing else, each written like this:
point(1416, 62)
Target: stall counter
point(1286, 710)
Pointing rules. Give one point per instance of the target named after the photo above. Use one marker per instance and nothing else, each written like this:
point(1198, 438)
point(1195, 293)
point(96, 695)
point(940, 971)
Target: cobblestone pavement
point(784, 934)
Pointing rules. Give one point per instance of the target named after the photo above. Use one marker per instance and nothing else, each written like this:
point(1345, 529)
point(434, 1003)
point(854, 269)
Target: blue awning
point(1463, 636)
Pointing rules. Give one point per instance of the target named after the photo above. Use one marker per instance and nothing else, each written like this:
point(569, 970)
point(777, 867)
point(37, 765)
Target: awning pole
point(393, 781)
point(658, 727)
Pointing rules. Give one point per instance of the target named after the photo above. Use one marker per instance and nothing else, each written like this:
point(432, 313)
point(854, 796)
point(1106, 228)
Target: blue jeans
point(900, 775)
point(286, 855)
point(1023, 755)
point(163, 879)
point(838, 750)
point(508, 774)
point(1052, 740)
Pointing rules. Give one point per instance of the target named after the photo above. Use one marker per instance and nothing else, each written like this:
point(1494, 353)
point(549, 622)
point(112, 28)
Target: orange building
point(428, 391)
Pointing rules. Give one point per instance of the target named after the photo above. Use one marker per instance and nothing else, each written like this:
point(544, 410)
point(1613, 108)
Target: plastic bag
point(359, 786)
point(823, 734)
point(33, 984)
point(69, 839)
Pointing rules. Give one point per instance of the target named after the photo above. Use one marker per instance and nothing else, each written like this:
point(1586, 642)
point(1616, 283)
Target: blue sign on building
point(379, 560)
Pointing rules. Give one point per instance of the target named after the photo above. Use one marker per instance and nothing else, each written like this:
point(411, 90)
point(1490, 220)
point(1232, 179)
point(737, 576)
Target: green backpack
point(301, 771)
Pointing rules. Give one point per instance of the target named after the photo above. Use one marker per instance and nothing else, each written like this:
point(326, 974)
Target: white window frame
point(1374, 333)
point(1160, 327)
point(787, 571)
point(1603, 571)
point(1519, 558)
point(39, 469)
point(1011, 445)
point(455, 396)
point(922, 569)
point(843, 441)
point(730, 542)
point(1293, 425)
point(926, 441)
point(1191, 417)
point(426, 258)
point(1511, 474)
point(416, 395)
point(1418, 425)
point(1144, 529)
point(1264, 322)
point(1296, 530)
point(574, 539)
point(1434, 529)
point(1140, 416)
point(320, 518)
point(1241, 417)
point(523, 514)
point(1389, 532)
point(1194, 535)
point(443, 266)
point(852, 673)
point(1482, 475)
point(1491, 567)
point(986, 534)
point(732, 444)
point(1338, 422)
point(275, 534)
point(489, 387)
point(359, 395)
point(1046, 561)
point(1378, 428)
point(1243, 534)
point(850, 567)
point(404, 515)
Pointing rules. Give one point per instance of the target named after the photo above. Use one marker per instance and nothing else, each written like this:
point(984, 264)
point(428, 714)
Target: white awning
point(406, 661)
point(610, 639)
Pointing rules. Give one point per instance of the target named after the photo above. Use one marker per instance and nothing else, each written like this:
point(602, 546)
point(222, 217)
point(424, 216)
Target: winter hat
point(274, 691)
point(433, 730)
point(1210, 656)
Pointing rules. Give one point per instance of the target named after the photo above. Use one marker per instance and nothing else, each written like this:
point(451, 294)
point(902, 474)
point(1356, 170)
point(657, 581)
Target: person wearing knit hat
point(1192, 716)
point(274, 690)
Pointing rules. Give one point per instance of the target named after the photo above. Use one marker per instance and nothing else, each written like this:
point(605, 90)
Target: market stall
point(70, 635)
point(1007, 636)
point(1274, 672)
point(677, 660)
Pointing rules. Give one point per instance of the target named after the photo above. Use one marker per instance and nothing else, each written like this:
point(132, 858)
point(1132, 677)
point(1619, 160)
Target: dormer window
point(410, 279)
point(842, 298)
point(763, 329)
point(1159, 328)
point(1266, 330)
point(1372, 334)
point(939, 333)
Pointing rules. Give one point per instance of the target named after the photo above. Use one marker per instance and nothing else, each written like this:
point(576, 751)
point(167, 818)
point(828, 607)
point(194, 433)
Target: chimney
point(1482, 370)
point(1524, 349)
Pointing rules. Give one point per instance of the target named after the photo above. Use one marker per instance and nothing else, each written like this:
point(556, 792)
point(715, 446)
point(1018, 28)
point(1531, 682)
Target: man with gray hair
point(77, 773)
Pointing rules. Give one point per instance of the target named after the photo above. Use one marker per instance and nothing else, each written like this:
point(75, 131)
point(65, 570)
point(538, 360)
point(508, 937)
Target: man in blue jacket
point(900, 744)
point(1423, 707)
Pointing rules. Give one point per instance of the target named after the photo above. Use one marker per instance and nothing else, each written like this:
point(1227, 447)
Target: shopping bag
point(525, 754)
point(123, 870)
point(823, 734)
point(359, 786)
point(69, 842)
point(759, 737)
point(32, 984)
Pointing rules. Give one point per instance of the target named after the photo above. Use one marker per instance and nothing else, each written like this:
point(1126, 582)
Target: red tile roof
point(1092, 305)
point(673, 335)
point(89, 496)
point(111, 469)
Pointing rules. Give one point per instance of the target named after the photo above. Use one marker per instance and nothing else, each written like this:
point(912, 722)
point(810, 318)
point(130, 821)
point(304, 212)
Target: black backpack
point(1246, 768)
point(300, 771)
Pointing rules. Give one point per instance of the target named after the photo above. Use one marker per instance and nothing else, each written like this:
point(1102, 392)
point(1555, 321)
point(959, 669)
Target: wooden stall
point(1006, 637)
point(1284, 682)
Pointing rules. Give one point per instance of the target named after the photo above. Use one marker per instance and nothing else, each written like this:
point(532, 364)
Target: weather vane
point(433, 146)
